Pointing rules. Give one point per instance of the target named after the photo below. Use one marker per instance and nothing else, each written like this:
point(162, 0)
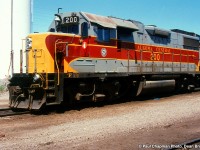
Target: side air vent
point(152, 30)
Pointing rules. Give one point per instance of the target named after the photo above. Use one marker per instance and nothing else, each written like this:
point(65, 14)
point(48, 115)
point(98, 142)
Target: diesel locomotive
point(88, 57)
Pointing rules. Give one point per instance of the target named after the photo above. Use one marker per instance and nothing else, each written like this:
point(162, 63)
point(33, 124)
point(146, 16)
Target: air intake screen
point(191, 43)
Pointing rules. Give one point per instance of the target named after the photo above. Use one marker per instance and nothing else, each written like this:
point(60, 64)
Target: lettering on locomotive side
point(155, 57)
point(145, 48)
point(163, 50)
point(153, 49)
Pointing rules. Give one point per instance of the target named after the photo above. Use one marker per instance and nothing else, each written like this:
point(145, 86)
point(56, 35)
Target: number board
point(71, 19)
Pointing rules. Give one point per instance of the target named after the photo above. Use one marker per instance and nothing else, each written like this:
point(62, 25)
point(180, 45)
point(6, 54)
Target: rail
point(5, 112)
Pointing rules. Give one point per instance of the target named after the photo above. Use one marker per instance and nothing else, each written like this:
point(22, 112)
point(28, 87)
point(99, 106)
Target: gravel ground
point(163, 121)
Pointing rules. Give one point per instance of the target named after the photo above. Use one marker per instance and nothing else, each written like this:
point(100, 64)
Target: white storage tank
point(15, 25)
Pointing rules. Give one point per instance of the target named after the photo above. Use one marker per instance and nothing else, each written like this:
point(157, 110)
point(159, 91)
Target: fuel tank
point(158, 87)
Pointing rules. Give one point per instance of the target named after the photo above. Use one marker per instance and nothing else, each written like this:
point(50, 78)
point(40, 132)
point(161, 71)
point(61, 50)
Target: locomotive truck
point(88, 57)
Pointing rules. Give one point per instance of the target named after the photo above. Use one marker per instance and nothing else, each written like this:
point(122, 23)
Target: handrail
point(35, 61)
point(57, 42)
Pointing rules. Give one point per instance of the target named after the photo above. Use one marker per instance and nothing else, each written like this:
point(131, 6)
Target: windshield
point(69, 28)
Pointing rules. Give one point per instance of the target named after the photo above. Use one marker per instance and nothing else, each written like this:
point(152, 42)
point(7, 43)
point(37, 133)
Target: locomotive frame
point(85, 57)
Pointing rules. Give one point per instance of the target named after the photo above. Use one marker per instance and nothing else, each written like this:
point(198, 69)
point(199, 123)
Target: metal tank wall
point(21, 20)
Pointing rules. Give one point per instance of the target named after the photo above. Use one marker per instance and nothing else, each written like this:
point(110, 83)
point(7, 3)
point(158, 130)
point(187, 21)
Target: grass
point(2, 88)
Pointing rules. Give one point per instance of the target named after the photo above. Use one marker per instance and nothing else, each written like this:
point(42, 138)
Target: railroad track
point(4, 112)
point(189, 145)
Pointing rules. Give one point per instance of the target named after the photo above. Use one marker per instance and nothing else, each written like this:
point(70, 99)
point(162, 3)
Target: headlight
point(36, 77)
point(28, 43)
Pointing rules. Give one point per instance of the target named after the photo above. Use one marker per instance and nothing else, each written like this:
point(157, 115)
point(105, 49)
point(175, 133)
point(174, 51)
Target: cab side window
point(84, 29)
point(103, 34)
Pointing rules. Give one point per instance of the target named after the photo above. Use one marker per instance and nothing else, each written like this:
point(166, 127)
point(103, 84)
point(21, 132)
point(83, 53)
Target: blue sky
point(167, 14)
